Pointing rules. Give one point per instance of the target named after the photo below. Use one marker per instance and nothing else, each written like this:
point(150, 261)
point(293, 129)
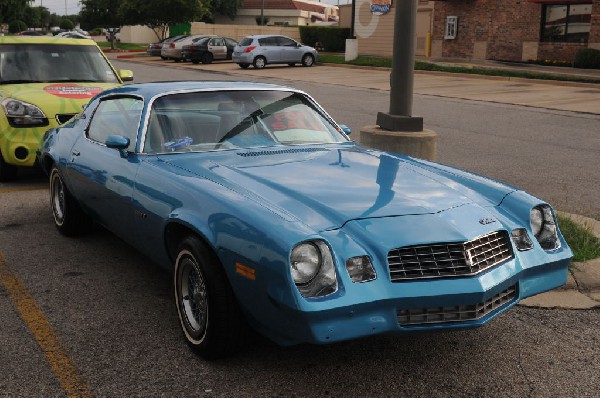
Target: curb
point(582, 290)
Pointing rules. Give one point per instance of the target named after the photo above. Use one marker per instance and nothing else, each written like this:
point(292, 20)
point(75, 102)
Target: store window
point(566, 22)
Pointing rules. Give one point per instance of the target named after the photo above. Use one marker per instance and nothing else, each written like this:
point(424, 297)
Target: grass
point(585, 245)
point(420, 65)
point(105, 45)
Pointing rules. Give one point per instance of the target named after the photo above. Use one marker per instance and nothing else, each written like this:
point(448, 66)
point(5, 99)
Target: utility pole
point(398, 130)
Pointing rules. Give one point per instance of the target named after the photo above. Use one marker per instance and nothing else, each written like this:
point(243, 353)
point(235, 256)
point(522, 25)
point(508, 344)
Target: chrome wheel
point(208, 311)
point(260, 62)
point(308, 60)
point(192, 297)
point(57, 198)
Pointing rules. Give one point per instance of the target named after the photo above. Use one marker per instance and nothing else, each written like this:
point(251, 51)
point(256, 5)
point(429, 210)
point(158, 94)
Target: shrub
point(587, 58)
point(67, 24)
point(265, 21)
point(330, 38)
point(17, 26)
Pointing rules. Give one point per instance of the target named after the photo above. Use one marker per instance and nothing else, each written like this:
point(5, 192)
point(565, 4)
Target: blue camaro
point(268, 215)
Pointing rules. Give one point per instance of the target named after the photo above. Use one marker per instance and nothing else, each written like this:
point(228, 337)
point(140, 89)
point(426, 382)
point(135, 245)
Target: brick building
point(514, 30)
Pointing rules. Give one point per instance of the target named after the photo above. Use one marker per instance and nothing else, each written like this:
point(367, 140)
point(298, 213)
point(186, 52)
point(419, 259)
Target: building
point(283, 12)
point(515, 30)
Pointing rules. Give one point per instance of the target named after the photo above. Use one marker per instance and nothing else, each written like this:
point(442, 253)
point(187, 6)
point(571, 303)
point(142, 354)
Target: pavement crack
point(524, 373)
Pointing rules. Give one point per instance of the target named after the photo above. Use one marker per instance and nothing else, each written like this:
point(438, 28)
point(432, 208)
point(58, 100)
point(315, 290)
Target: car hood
point(325, 188)
point(55, 98)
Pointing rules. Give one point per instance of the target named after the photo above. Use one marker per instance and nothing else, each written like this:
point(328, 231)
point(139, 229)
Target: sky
point(58, 6)
point(73, 7)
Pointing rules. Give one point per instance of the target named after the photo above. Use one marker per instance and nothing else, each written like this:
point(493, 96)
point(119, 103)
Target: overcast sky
point(73, 7)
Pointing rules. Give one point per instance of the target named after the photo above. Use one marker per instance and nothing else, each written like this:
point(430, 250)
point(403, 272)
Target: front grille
point(62, 118)
point(457, 313)
point(442, 260)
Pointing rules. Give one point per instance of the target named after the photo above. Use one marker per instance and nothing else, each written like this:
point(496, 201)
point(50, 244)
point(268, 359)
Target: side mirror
point(345, 129)
point(126, 75)
point(119, 142)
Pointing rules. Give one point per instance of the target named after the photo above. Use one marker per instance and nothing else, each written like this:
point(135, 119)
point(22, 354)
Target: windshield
point(205, 121)
point(44, 63)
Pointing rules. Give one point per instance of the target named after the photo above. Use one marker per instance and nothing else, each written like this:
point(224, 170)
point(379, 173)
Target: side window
point(117, 116)
point(285, 41)
point(268, 41)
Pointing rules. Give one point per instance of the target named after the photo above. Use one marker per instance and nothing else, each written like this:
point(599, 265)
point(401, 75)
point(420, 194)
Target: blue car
point(269, 216)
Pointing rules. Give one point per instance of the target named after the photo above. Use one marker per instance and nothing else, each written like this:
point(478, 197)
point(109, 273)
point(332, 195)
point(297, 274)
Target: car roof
point(44, 40)
point(263, 36)
point(149, 90)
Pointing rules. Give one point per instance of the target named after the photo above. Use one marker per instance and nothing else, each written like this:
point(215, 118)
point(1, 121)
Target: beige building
point(375, 33)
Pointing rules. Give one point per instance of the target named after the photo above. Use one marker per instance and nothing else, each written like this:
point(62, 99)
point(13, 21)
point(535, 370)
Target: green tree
point(66, 24)
point(13, 10)
point(103, 13)
point(17, 26)
point(156, 16)
point(225, 7)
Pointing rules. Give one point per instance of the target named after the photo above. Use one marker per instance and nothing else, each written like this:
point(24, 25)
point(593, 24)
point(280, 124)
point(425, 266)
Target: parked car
point(173, 49)
point(261, 50)
point(154, 49)
point(267, 213)
point(30, 33)
point(41, 86)
point(208, 49)
point(73, 35)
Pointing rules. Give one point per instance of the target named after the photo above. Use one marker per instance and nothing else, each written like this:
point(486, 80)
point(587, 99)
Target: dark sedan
point(154, 48)
point(209, 49)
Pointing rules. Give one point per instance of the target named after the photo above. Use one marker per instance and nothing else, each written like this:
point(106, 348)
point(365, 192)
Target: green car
point(44, 82)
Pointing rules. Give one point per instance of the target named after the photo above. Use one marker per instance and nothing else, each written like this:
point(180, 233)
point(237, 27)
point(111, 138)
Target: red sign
point(69, 90)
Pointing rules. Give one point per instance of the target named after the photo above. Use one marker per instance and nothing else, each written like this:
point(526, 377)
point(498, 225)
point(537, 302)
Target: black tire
point(212, 323)
point(195, 61)
point(308, 60)
point(8, 172)
point(291, 64)
point(69, 219)
point(244, 66)
point(259, 62)
point(207, 58)
point(163, 58)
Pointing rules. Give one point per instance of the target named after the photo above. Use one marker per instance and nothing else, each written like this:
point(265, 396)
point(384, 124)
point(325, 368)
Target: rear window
point(246, 41)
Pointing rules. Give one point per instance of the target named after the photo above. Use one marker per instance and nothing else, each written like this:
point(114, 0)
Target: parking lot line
point(64, 369)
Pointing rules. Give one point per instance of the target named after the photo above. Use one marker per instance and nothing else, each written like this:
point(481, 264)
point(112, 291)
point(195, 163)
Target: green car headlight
point(23, 114)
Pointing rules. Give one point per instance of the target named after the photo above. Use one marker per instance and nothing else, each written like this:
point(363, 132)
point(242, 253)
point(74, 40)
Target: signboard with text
point(380, 7)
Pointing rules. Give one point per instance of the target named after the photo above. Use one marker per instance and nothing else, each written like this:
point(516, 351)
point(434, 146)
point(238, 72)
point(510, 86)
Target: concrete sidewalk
point(557, 95)
point(582, 290)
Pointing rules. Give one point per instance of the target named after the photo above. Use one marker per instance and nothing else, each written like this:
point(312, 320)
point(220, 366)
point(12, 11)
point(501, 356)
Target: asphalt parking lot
point(92, 317)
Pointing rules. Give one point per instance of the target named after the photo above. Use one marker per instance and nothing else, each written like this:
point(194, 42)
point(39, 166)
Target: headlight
point(20, 114)
point(312, 269)
point(543, 226)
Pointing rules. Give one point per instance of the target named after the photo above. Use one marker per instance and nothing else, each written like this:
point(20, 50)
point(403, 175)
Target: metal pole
point(353, 19)
point(400, 117)
point(262, 11)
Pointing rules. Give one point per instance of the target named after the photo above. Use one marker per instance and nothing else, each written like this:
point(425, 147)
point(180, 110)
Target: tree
point(156, 16)
point(17, 26)
point(103, 13)
point(225, 7)
point(66, 24)
point(12, 10)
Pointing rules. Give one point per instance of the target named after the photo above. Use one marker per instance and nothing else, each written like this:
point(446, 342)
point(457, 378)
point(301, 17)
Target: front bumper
point(364, 310)
point(19, 145)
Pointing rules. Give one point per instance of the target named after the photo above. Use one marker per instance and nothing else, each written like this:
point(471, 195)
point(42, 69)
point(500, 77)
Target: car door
point(270, 49)
point(103, 178)
point(216, 46)
point(289, 50)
